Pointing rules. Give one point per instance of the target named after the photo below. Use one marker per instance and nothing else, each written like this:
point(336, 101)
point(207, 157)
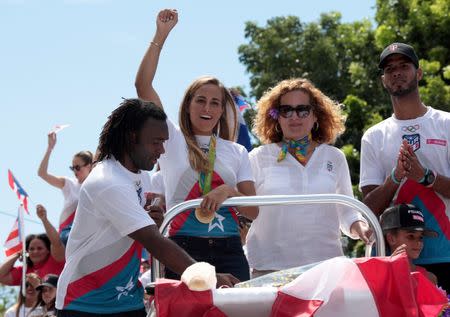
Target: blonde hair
point(328, 113)
point(226, 127)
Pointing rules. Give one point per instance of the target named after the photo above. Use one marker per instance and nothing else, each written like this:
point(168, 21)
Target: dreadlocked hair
point(197, 158)
point(129, 117)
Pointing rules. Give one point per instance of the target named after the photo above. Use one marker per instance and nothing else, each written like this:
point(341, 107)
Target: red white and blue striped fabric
point(21, 193)
point(14, 241)
point(339, 287)
point(240, 102)
point(435, 209)
point(243, 133)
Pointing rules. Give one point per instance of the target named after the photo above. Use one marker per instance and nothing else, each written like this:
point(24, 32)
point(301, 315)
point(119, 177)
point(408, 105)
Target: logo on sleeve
point(413, 140)
point(329, 166)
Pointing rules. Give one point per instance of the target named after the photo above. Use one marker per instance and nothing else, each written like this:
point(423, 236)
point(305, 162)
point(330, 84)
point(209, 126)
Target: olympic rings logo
point(411, 128)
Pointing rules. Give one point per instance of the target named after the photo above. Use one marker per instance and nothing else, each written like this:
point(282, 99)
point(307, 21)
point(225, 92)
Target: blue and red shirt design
point(114, 288)
point(435, 250)
point(225, 223)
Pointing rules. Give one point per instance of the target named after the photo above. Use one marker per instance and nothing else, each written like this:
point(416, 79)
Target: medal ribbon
point(205, 179)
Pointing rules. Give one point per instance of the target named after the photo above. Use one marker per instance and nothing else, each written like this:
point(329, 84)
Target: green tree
point(337, 57)
point(8, 296)
point(341, 59)
point(426, 26)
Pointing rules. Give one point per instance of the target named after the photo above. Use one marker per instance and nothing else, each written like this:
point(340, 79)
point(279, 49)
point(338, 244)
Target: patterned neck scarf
point(300, 147)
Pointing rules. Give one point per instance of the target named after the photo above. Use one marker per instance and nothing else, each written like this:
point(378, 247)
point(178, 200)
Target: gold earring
point(218, 128)
point(277, 129)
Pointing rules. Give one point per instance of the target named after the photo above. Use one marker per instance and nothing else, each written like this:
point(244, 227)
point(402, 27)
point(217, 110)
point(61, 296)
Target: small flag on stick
point(58, 128)
point(21, 193)
point(13, 242)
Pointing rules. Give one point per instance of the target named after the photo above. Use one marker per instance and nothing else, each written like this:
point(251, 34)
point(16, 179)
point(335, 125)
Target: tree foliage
point(8, 296)
point(425, 25)
point(341, 59)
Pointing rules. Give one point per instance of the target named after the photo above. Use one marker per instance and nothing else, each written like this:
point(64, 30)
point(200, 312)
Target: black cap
point(406, 217)
point(50, 280)
point(398, 48)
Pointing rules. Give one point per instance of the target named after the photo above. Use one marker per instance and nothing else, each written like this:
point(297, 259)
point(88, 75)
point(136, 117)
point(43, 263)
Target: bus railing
point(281, 200)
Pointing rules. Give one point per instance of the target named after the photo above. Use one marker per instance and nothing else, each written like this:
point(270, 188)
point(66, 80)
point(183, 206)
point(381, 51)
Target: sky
point(71, 62)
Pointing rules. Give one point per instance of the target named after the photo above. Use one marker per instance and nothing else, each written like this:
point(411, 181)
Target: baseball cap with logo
point(398, 48)
point(50, 280)
point(406, 217)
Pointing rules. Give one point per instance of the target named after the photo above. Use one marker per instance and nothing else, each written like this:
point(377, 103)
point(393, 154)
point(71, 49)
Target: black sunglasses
point(76, 167)
point(287, 111)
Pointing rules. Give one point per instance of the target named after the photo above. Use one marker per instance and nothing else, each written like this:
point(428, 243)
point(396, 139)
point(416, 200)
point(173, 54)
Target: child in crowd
point(25, 304)
point(404, 228)
point(45, 306)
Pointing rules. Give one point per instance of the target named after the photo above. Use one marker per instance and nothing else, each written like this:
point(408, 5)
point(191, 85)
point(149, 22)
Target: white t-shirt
point(282, 236)
point(231, 167)
point(157, 183)
point(146, 277)
point(102, 262)
point(71, 192)
point(430, 136)
point(23, 311)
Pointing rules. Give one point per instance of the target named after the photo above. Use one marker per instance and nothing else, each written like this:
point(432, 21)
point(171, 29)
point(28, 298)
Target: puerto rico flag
point(240, 101)
point(243, 135)
point(21, 193)
point(14, 241)
point(369, 287)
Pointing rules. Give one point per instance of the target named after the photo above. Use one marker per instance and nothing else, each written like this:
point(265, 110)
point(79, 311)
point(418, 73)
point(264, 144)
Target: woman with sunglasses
point(82, 164)
point(45, 254)
point(201, 160)
point(25, 303)
point(297, 123)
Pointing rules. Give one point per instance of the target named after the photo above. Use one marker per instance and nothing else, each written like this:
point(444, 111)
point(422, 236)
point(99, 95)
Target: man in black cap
point(404, 229)
point(405, 158)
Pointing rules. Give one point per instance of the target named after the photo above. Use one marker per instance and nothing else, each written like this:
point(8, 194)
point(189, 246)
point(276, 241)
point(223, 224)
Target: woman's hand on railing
point(212, 200)
point(363, 231)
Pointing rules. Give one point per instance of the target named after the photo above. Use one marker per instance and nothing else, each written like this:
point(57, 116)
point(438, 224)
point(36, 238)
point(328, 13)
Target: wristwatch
point(428, 178)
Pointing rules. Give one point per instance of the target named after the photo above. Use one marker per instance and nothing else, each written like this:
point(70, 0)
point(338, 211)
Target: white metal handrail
point(281, 200)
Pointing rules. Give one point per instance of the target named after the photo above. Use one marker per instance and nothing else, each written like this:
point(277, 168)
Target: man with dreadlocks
point(111, 224)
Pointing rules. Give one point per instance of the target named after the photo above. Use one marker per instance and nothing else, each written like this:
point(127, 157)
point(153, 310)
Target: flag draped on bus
point(338, 287)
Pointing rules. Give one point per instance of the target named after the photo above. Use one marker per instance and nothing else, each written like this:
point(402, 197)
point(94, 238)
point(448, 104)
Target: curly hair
point(328, 113)
point(197, 159)
point(129, 117)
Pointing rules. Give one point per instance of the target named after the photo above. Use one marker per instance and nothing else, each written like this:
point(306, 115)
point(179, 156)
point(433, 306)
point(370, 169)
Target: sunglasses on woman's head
point(76, 167)
point(287, 111)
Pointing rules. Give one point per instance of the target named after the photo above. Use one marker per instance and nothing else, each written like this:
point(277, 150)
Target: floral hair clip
point(274, 113)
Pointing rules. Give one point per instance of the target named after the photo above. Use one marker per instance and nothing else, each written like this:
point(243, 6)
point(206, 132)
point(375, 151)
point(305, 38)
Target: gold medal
point(204, 217)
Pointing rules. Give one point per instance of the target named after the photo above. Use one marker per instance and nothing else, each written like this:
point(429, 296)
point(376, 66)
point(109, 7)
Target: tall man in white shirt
point(406, 158)
point(111, 225)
